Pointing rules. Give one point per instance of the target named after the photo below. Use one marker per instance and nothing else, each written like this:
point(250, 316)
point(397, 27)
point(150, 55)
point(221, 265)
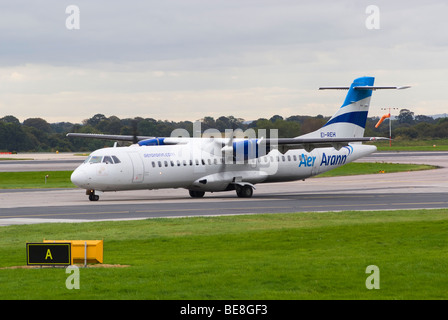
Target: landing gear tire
point(196, 194)
point(93, 197)
point(244, 191)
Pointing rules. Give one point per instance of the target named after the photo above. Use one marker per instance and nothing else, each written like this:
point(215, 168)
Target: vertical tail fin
point(350, 119)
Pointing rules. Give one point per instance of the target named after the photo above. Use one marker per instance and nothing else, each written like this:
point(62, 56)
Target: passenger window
point(294, 157)
point(184, 163)
point(289, 158)
point(166, 163)
point(160, 164)
point(153, 164)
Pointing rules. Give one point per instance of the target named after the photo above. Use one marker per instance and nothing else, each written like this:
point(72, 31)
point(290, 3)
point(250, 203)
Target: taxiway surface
point(405, 190)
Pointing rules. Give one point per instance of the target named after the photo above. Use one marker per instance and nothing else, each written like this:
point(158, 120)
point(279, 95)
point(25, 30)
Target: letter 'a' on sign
point(55, 254)
point(48, 255)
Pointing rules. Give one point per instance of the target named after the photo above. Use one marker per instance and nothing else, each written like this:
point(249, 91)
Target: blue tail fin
point(350, 119)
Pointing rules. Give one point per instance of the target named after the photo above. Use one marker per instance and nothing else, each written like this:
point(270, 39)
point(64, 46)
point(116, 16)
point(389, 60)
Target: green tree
point(95, 120)
point(38, 123)
point(14, 138)
point(405, 116)
point(10, 119)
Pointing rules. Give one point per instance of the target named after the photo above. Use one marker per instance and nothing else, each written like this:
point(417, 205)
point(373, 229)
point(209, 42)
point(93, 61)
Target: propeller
point(227, 149)
point(134, 131)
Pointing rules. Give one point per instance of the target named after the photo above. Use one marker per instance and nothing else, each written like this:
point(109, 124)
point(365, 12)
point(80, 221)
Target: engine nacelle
point(152, 142)
point(248, 149)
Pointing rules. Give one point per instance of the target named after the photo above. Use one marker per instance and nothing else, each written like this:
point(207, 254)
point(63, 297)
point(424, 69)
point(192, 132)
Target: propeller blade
point(134, 132)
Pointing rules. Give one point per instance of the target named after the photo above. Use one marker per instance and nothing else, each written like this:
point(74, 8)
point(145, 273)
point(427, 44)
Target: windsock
point(382, 119)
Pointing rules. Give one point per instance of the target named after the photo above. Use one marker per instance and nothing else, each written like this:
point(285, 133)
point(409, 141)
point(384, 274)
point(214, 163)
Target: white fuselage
point(192, 167)
point(206, 164)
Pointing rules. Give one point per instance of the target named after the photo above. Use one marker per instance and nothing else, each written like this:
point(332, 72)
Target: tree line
point(37, 135)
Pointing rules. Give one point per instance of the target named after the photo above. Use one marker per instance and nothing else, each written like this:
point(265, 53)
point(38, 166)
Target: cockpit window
point(116, 160)
point(103, 159)
point(107, 159)
point(95, 159)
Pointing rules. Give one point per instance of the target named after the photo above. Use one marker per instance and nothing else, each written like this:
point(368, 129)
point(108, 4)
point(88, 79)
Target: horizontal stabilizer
point(364, 88)
point(379, 88)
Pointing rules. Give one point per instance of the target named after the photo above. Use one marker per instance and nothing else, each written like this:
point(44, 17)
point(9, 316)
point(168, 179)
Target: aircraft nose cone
point(79, 178)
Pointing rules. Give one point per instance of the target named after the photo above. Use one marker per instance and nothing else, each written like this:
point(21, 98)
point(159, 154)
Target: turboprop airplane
point(215, 163)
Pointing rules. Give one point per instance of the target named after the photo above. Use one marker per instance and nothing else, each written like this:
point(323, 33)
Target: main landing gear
point(92, 195)
point(241, 191)
point(244, 191)
point(196, 194)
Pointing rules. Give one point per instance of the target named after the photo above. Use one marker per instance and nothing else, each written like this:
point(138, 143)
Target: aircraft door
point(315, 169)
point(138, 167)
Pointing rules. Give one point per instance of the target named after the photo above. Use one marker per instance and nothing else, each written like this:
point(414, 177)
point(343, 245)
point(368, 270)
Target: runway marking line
point(205, 209)
point(397, 204)
point(59, 214)
point(345, 205)
point(374, 204)
point(127, 212)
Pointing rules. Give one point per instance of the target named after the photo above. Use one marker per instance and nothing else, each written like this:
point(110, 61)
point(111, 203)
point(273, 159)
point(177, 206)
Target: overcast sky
point(184, 60)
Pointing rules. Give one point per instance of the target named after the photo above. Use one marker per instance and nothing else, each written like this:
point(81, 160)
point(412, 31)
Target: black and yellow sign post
point(54, 254)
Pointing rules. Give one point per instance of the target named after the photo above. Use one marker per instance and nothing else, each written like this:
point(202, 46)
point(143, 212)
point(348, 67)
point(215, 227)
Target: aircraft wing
point(107, 136)
point(141, 140)
point(285, 144)
point(282, 144)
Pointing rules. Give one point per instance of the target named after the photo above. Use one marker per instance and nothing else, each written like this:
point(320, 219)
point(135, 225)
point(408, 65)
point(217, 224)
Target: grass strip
point(356, 168)
point(413, 145)
point(272, 256)
point(35, 179)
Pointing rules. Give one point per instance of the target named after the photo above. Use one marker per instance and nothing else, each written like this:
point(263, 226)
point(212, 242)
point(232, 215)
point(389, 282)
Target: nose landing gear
point(92, 195)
